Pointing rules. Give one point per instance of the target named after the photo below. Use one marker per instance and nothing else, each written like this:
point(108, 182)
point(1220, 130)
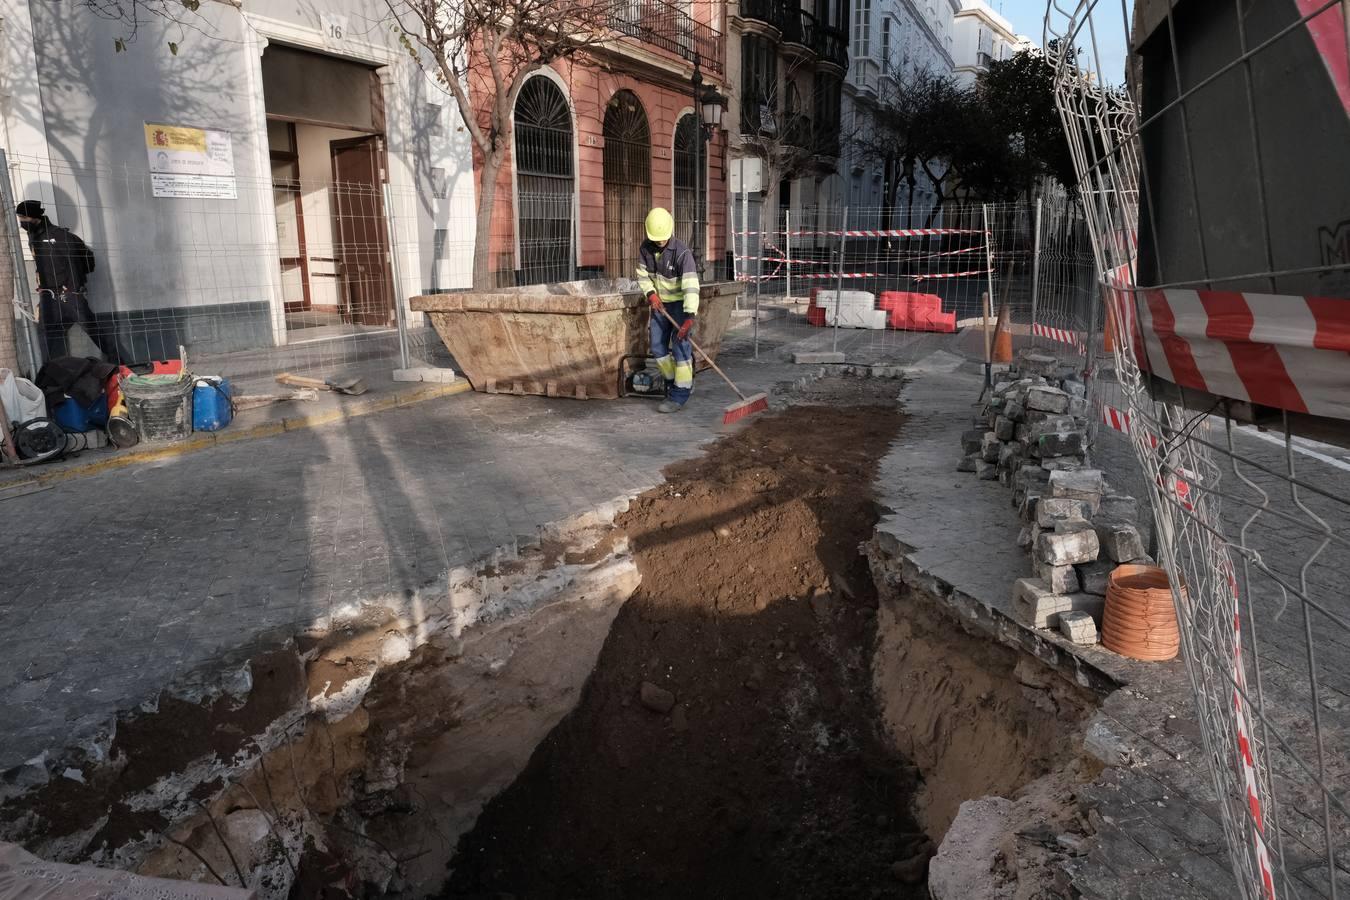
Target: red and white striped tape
point(870, 232)
point(1283, 351)
point(1061, 335)
point(947, 275)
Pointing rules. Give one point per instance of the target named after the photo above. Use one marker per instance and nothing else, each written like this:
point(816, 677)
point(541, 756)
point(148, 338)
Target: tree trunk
point(487, 200)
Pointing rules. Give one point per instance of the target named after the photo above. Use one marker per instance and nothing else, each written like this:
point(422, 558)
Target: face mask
point(29, 225)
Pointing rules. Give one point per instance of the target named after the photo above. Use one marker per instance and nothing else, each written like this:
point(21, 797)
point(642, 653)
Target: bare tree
point(485, 50)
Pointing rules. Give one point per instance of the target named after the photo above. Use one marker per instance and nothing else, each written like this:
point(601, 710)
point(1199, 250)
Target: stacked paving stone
point(1032, 436)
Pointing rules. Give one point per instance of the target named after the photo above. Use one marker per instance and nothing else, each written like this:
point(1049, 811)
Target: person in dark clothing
point(63, 266)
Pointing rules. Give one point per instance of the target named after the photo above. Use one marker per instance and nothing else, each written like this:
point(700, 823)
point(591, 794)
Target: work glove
point(687, 327)
point(654, 300)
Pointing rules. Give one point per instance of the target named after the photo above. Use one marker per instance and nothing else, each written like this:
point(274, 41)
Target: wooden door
point(360, 237)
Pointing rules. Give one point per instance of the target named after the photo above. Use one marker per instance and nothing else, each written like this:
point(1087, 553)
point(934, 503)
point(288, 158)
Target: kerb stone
point(1120, 541)
point(1047, 399)
point(1060, 579)
point(1078, 626)
point(1066, 548)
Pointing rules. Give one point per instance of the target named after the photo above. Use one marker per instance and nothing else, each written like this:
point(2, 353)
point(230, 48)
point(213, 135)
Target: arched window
point(545, 182)
point(628, 181)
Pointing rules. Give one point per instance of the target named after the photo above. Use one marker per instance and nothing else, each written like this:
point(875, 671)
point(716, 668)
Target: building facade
point(266, 176)
point(789, 59)
point(982, 36)
point(598, 141)
point(893, 42)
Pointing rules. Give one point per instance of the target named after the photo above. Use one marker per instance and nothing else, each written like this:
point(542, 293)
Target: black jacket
point(80, 377)
point(63, 260)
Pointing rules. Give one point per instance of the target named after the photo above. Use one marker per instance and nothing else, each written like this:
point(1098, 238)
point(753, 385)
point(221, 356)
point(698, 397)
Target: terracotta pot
point(1139, 620)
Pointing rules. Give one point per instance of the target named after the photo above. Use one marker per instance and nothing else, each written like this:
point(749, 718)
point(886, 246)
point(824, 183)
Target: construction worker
point(668, 275)
point(63, 265)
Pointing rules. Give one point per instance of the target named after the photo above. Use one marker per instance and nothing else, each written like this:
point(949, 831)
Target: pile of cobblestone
point(1032, 436)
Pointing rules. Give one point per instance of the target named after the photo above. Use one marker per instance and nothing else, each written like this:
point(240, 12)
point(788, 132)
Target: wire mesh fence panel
point(292, 274)
point(1218, 309)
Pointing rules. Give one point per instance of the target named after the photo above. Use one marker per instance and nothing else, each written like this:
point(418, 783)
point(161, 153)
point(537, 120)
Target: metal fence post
point(759, 262)
point(1036, 264)
point(400, 314)
point(745, 226)
point(787, 249)
point(839, 279)
point(988, 298)
point(29, 355)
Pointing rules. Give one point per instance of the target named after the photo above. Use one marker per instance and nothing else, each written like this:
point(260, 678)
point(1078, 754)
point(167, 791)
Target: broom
point(746, 406)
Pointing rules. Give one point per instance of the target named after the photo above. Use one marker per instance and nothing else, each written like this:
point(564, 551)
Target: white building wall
point(74, 110)
point(892, 41)
point(982, 35)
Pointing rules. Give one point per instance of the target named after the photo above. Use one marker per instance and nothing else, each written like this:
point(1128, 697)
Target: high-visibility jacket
point(671, 272)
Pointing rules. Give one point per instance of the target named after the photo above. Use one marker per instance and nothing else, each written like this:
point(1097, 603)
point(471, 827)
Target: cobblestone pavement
point(1160, 834)
point(117, 584)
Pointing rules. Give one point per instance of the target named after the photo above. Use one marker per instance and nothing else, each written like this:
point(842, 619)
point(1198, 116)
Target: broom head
point(743, 408)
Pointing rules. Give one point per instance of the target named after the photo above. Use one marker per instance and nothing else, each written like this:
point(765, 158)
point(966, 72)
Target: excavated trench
point(701, 696)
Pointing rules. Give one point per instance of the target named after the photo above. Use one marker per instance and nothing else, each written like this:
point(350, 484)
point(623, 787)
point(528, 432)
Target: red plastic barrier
point(815, 315)
point(912, 311)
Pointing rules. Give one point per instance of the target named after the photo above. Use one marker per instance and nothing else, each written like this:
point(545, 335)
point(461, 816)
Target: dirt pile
point(728, 743)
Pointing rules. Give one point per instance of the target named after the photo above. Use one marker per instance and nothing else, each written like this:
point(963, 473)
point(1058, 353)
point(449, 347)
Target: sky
point(1028, 17)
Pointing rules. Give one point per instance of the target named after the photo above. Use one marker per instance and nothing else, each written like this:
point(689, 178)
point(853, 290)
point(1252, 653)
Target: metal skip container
point(559, 340)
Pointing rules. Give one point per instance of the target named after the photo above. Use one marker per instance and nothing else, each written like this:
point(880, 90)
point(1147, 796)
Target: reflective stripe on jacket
point(671, 272)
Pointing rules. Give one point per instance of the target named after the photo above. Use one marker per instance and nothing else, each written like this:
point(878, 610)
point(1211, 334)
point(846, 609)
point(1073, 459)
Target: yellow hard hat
point(660, 224)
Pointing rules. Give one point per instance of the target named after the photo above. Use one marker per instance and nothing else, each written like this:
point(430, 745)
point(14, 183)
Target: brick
point(1010, 456)
point(990, 446)
point(1074, 388)
point(1050, 424)
point(1034, 603)
point(1062, 464)
point(1078, 407)
point(971, 440)
point(1119, 508)
point(1078, 626)
point(1004, 427)
point(1052, 508)
point(1063, 548)
point(1015, 410)
point(1024, 537)
point(1022, 432)
point(1047, 399)
point(1037, 363)
point(1120, 541)
point(818, 358)
point(985, 470)
point(1060, 579)
point(967, 463)
point(1095, 576)
point(1060, 443)
point(1081, 484)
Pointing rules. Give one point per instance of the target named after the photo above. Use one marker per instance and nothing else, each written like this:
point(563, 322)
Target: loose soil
point(763, 772)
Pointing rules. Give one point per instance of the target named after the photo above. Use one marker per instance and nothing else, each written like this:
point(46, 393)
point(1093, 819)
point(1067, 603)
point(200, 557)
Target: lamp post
point(708, 107)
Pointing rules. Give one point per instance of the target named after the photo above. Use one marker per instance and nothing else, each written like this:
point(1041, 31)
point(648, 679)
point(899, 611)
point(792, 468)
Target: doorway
point(628, 181)
point(325, 129)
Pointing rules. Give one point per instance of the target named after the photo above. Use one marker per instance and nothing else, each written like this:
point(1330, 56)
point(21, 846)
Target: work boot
point(669, 406)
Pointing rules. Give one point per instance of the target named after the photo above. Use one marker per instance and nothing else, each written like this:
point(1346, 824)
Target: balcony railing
point(831, 45)
point(770, 12)
point(798, 26)
point(662, 24)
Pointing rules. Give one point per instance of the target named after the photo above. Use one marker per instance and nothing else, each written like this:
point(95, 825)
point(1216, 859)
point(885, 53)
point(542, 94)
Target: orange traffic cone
point(1002, 352)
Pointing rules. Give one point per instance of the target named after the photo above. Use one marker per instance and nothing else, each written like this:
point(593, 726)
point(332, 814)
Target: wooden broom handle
point(731, 384)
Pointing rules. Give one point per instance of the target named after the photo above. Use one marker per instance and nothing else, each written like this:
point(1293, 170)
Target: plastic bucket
point(159, 406)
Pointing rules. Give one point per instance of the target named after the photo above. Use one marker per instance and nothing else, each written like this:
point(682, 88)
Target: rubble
point(1032, 436)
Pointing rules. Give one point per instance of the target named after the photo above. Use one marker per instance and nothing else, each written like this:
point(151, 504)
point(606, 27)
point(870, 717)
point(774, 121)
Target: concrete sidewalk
point(119, 583)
